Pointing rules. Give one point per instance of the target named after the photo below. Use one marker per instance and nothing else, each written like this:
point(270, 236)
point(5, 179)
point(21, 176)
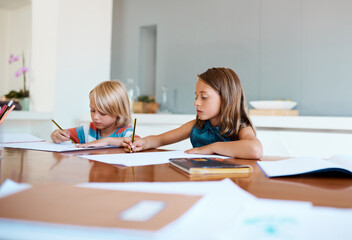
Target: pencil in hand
point(134, 130)
point(57, 125)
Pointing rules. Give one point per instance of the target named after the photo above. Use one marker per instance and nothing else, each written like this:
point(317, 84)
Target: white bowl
point(277, 104)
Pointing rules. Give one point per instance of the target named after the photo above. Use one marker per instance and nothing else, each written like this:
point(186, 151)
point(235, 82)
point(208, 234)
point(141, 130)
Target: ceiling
point(13, 4)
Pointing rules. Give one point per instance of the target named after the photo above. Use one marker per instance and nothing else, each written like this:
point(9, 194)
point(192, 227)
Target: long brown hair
point(233, 109)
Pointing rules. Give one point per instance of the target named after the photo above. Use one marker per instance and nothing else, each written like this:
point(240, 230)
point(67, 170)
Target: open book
point(303, 165)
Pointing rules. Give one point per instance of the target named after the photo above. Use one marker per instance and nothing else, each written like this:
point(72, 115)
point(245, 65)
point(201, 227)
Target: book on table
point(306, 165)
point(209, 165)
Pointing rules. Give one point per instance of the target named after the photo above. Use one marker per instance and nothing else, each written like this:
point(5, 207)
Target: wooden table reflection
point(35, 167)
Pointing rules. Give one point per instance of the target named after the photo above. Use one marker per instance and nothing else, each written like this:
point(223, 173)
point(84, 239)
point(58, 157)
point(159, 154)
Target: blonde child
point(222, 125)
point(110, 114)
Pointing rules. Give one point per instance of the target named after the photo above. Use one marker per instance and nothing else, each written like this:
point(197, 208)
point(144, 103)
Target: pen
point(134, 130)
point(73, 141)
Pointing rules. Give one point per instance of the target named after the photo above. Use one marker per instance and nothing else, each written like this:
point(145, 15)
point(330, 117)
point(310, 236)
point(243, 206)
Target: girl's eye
point(204, 98)
point(92, 111)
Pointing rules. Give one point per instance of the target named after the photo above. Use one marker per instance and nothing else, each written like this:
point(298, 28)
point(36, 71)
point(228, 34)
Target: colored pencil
point(3, 110)
point(134, 130)
point(7, 113)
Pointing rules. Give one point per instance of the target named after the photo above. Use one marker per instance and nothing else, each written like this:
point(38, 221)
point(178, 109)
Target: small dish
point(275, 104)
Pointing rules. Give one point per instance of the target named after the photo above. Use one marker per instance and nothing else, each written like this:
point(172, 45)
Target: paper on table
point(144, 158)
point(49, 147)
point(278, 219)
point(272, 219)
point(221, 200)
point(18, 138)
point(65, 204)
point(9, 187)
point(326, 223)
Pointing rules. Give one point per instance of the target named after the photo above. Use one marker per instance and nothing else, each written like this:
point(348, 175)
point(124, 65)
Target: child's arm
point(113, 141)
point(247, 147)
point(155, 141)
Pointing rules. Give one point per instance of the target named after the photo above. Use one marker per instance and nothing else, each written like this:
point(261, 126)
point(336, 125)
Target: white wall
point(84, 46)
point(44, 54)
point(15, 38)
point(71, 54)
point(3, 49)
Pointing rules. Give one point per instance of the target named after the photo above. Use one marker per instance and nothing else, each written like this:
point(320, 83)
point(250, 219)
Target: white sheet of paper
point(18, 138)
point(9, 187)
point(48, 146)
point(271, 219)
point(142, 211)
point(342, 160)
point(144, 158)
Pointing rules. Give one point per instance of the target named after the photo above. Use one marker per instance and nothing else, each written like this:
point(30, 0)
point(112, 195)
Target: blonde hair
point(111, 98)
point(233, 109)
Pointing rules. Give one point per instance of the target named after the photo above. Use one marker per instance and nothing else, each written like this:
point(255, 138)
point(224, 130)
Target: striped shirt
point(88, 132)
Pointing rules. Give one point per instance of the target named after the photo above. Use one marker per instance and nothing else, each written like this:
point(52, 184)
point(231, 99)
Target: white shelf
point(36, 123)
point(303, 122)
point(27, 115)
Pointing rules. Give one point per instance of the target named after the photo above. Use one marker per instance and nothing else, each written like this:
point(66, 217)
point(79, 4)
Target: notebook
point(305, 165)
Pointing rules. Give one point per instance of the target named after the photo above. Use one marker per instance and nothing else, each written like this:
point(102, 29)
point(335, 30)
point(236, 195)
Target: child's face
point(101, 121)
point(207, 102)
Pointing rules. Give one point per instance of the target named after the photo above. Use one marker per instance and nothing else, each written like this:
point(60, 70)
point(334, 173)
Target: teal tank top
point(203, 136)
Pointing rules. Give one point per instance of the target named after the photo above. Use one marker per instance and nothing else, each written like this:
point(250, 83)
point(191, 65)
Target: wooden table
point(33, 167)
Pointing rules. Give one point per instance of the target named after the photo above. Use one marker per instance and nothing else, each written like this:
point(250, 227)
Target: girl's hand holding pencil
point(135, 146)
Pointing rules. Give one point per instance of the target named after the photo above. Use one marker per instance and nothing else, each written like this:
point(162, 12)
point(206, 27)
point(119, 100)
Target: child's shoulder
point(124, 129)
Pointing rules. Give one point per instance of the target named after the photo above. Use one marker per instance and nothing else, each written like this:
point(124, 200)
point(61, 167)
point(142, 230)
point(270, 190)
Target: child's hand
point(97, 143)
point(136, 146)
point(59, 136)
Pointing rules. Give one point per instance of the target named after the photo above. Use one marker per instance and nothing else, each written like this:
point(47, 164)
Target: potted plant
point(23, 94)
point(145, 104)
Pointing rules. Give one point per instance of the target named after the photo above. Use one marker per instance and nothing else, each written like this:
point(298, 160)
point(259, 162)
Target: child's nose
point(95, 116)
